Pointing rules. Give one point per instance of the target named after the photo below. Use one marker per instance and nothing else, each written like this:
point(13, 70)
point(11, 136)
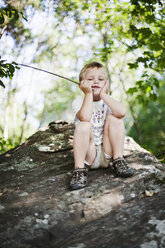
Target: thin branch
point(2, 31)
point(54, 74)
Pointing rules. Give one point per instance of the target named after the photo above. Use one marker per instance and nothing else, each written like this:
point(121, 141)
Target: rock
point(101, 205)
point(37, 208)
point(1, 208)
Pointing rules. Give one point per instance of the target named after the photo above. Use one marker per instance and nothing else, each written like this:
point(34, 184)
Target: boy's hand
point(86, 86)
point(105, 88)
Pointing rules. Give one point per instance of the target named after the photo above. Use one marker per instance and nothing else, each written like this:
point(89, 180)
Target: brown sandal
point(121, 168)
point(79, 178)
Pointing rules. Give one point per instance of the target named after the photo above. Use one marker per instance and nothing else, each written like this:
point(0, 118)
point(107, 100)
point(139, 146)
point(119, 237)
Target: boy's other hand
point(86, 86)
point(105, 88)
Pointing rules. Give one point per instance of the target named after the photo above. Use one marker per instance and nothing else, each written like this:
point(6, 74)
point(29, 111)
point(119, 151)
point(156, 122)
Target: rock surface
point(37, 208)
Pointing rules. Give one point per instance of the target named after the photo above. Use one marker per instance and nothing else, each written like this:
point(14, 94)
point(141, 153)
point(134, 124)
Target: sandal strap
point(120, 163)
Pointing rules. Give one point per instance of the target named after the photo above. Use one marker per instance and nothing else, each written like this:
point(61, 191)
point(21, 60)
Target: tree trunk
point(131, 109)
point(24, 122)
point(105, 40)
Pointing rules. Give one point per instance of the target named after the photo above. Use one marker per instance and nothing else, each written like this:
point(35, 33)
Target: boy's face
point(97, 77)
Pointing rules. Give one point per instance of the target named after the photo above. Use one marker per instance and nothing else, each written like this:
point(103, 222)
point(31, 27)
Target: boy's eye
point(101, 79)
point(90, 79)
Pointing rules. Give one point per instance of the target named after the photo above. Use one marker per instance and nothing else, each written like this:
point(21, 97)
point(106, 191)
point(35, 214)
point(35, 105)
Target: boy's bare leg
point(114, 135)
point(106, 141)
point(83, 145)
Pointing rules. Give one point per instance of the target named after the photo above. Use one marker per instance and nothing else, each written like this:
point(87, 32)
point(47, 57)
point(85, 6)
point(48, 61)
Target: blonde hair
point(92, 65)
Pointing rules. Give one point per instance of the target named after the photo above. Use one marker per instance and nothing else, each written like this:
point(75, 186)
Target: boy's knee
point(83, 126)
point(111, 119)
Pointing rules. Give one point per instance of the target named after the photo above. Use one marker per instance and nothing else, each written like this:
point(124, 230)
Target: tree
point(113, 32)
point(147, 27)
point(9, 15)
point(152, 125)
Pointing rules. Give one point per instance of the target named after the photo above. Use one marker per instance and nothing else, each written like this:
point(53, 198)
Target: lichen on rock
point(38, 209)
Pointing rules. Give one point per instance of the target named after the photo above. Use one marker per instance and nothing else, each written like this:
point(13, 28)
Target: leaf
point(2, 19)
point(2, 61)
point(2, 84)
point(131, 91)
point(16, 15)
point(11, 68)
point(23, 16)
point(8, 13)
point(133, 65)
point(3, 73)
point(16, 65)
point(139, 83)
point(148, 193)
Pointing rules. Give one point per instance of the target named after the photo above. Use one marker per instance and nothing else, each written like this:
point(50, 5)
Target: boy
point(99, 128)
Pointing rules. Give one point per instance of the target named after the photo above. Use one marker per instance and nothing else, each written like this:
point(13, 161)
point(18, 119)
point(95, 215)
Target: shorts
point(102, 159)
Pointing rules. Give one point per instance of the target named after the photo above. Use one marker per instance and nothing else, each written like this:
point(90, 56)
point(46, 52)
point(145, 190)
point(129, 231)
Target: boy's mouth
point(95, 87)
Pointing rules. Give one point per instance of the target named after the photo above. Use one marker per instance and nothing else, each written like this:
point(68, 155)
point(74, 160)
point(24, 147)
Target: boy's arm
point(117, 108)
point(85, 112)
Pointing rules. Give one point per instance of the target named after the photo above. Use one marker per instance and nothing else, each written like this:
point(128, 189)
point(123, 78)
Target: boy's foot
point(79, 178)
point(121, 168)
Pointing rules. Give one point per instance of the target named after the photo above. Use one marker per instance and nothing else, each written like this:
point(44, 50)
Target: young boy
point(99, 128)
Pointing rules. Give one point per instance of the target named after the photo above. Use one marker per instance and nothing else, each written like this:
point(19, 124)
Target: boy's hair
point(90, 65)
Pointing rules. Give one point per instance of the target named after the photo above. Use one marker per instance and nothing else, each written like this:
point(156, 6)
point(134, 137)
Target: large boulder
point(38, 209)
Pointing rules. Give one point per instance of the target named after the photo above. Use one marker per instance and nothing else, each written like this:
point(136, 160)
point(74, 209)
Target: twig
point(54, 74)
point(2, 31)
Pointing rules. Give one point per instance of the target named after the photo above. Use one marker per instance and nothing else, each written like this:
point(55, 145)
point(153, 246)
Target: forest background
point(127, 36)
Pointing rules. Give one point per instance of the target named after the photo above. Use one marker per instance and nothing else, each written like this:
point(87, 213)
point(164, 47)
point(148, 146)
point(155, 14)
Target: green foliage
point(145, 90)
point(6, 145)
point(151, 120)
point(147, 27)
point(7, 14)
point(7, 70)
point(10, 12)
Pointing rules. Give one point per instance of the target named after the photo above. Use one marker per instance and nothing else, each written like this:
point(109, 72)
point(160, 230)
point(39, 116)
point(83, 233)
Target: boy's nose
point(96, 81)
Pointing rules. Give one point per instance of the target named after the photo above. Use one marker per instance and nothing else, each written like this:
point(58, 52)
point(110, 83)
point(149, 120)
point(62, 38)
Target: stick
point(2, 31)
point(35, 68)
